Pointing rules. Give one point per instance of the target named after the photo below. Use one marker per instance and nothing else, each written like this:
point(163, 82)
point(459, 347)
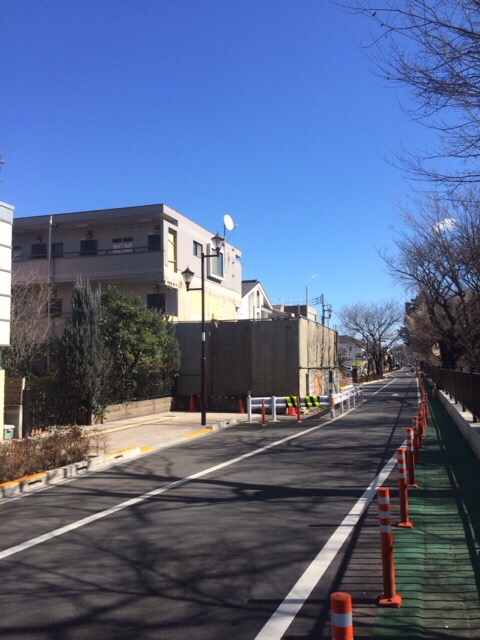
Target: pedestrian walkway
point(166, 429)
point(163, 429)
point(437, 562)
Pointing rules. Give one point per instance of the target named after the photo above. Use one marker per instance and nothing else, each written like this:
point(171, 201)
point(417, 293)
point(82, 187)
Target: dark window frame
point(154, 245)
point(84, 247)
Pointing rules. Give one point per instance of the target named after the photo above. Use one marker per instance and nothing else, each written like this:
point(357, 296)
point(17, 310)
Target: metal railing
point(345, 400)
point(86, 252)
point(462, 386)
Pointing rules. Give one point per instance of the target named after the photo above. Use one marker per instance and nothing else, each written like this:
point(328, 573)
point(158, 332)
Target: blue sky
point(267, 110)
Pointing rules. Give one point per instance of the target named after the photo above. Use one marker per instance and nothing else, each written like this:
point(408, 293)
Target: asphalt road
point(205, 541)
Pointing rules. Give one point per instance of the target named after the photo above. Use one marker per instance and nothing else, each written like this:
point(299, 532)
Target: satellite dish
point(228, 222)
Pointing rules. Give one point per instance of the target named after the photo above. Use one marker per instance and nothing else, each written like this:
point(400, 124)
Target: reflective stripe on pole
point(341, 613)
point(389, 597)
point(402, 489)
point(411, 458)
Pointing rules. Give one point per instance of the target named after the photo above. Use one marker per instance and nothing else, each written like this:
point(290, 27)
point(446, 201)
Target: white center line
point(155, 492)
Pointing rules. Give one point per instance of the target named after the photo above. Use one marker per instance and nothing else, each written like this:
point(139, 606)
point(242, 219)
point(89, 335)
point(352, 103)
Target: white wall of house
point(6, 220)
point(255, 305)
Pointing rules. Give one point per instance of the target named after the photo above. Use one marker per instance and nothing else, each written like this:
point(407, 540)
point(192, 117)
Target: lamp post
point(217, 242)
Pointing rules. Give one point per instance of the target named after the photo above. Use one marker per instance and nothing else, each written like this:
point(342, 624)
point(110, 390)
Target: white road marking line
point(286, 612)
point(384, 386)
point(155, 492)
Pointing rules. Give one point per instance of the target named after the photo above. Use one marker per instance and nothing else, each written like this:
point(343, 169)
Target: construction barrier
point(403, 489)
point(291, 402)
point(346, 399)
point(341, 616)
point(389, 597)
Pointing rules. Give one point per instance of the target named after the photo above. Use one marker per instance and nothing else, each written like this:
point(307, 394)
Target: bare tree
point(421, 336)
point(432, 47)
point(29, 327)
point(438, 258)
point(375, 326)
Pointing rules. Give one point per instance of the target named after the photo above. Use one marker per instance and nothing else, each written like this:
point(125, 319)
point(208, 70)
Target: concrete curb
point(29, 484)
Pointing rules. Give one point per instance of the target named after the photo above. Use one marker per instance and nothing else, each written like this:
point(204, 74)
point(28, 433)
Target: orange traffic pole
point(425, 414)
point(403, 489)
point(389, 597)
point(299, 406)
point(264, 419)
point(241, 405)
point(416, 443)
point(341, 614)
point(417, 428)
point(411, 458)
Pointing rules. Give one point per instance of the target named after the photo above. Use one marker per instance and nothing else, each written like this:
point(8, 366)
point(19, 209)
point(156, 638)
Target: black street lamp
point(217, 242)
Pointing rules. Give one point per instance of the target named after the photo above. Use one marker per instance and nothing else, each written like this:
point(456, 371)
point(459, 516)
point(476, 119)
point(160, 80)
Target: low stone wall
point(463, 419)
point(135, 409)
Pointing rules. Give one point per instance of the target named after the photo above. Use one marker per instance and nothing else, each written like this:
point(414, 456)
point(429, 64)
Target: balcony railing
point(100, 265)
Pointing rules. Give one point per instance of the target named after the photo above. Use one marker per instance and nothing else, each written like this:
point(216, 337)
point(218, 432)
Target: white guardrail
point(345, 400)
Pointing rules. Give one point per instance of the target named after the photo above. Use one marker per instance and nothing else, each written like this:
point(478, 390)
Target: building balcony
point(111, 264)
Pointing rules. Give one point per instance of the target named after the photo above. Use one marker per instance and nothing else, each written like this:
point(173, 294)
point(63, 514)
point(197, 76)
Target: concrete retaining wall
point(283, 357)
point(463, 419)
point(136, 409)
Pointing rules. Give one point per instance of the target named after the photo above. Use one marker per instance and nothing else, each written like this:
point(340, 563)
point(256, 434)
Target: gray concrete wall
point(266, 357)
point(257, 356)
point(136, 409)
point(318, 355)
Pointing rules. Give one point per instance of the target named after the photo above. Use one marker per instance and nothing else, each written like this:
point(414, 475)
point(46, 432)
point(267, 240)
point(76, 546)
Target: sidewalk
point(166, 429)
point(437, 562)
point(163, 429)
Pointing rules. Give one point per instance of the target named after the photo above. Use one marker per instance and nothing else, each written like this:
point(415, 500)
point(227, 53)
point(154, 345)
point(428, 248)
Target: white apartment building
point(6, 221)
point(141, 250)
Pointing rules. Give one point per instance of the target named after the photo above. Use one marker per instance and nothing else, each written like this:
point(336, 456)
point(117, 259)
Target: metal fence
point(49, 403)
point(462, 386)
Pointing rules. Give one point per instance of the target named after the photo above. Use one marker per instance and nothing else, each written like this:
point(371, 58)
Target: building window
point(57, 249)
point(39, 250)
point(17, 253)
point(88, 247)
point(197, 249)
point(122, 245)
point(154, 243)
point(156, 301)
point(172, 250)
point(216, 265)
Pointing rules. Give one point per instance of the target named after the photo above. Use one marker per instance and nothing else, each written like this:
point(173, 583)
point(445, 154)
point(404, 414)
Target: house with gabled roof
point(255, 303)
